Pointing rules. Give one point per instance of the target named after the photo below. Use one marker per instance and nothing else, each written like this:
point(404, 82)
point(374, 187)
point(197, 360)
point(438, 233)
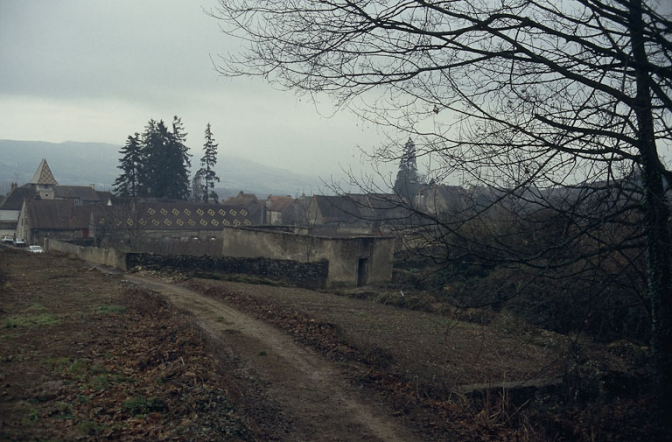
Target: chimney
point(13, 187)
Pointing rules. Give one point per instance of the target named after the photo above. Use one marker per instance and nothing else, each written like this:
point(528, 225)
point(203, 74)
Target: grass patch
point(122, 378)
point(44, 319)
point(91, 428)
point(111, 309)
point(31, 419)
point(36, 308)
point(61, 411)
point(138, 405)
point(100, 382)
point(58, 363)
point(76, 368)
point(99, 368)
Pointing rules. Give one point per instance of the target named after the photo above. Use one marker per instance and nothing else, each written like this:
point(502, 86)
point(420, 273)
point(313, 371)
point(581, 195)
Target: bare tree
point(123, 225)
point(512, 95)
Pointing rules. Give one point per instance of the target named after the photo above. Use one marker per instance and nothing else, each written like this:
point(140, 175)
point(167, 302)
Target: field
point(86, 354)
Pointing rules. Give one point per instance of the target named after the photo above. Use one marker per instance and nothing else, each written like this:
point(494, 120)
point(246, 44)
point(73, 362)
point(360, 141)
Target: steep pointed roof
point(43, 175)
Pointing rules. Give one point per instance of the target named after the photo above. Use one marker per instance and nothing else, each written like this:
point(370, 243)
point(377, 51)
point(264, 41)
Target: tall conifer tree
point(128, 184)
point(408, 180)
point(166, 161)
point(207, 171)
point(181, 163)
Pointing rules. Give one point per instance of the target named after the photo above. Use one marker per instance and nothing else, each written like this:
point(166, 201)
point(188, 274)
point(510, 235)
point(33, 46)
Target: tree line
point(155, 164)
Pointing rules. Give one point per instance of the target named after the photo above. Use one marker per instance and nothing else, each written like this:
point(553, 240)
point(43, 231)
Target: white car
point(35, 249)
point(19, 242)
point(7, 239)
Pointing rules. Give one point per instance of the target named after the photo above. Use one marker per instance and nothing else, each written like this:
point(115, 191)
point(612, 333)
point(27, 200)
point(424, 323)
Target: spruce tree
point(408, 181)
point(128, 184)
point(152, 146)
point(182, 162)
point(166, 160)
point(207, 171)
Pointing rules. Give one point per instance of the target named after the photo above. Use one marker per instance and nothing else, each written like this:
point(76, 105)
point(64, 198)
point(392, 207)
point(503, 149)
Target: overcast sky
point(98, 70)
point(95, 70)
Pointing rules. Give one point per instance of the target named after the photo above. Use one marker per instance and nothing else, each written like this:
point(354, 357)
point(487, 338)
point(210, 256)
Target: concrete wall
point(352, 261)
point(104, 256)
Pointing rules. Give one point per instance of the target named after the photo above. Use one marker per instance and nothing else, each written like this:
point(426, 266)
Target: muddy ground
point(89, 355)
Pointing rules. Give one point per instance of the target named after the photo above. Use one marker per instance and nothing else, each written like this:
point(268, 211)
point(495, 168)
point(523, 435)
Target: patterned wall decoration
point(173, 216)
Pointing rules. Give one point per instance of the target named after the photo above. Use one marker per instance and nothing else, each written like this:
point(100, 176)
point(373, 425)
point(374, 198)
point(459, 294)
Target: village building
point(344, 231)
point(274, 207)
point(44, 187)
point(139, 219)
point(57, 219)
point(348, 215)
point(250, 203)
point(10, 208)
point(441, 199)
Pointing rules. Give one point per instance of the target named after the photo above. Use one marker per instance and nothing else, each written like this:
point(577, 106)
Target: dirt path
point(310, 390)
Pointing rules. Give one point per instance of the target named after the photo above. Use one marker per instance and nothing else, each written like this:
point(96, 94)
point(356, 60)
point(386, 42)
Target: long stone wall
point(104, 256)
point(311, 275)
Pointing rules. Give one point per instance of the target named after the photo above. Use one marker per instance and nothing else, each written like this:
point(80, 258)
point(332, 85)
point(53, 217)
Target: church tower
point(43, 181)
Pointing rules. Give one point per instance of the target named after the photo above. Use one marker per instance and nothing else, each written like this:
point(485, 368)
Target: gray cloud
point(98, 70)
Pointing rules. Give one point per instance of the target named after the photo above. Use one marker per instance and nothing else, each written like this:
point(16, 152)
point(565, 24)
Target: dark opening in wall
point(362, 271)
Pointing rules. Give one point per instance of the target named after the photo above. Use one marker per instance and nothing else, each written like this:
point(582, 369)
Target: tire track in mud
point(309, 389)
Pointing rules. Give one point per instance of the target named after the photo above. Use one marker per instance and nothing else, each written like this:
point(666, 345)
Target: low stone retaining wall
point(104, 256)
point(311, 275)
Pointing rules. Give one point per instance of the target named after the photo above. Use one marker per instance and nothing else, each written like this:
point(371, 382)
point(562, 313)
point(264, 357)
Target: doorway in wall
point(362, 271)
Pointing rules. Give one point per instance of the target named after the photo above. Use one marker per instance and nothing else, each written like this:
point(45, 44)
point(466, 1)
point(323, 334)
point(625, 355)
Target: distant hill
point(77, 163)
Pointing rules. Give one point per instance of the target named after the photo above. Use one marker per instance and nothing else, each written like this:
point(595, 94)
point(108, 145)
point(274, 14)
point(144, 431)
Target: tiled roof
point(278, 203)
point(358, 208)
point(337, 209)
point(104, 196)
point(14, 200)
point(57, 215)
point(157, 215)
point(380, 207)
point(297, 211)
point(248, 202)
point(242, 199)
point(43, 175)
point(84, 193)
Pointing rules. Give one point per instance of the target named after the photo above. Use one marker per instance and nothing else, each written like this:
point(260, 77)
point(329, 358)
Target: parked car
point(35, 249)
point(7, 239)
point(19, 242)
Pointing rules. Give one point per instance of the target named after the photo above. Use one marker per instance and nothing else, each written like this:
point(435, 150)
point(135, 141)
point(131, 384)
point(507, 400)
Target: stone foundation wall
point(311, 275)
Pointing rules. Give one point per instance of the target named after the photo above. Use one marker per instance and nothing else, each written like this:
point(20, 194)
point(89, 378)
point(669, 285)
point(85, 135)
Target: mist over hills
point(83, 163)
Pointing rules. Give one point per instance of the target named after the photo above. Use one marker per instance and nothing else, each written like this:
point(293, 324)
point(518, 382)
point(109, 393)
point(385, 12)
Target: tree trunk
point(656, 222)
